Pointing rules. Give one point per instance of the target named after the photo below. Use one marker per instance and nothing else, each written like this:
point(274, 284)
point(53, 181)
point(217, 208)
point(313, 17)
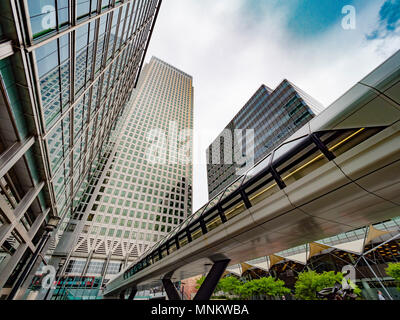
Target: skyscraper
point(144, 189)
point(273, 115)
point(67, 70)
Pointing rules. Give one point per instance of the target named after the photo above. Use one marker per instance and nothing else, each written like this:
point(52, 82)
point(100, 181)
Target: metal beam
point(133, 293)
point(10, 157)
point(6, 272)
point(170, 289)
point(6, 49)
point(13, 216)
point(211, 281)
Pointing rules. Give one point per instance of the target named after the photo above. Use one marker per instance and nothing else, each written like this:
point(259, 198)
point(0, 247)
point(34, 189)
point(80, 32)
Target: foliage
point(393, 270)
point(310, 282)
point(230, 285)
point(234, 288)
point(270, 286)
point(201, 280)
point(247, 290)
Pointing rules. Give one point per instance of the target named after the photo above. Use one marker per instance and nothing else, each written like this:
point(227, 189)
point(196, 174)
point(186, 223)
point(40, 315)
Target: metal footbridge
point(339, 172)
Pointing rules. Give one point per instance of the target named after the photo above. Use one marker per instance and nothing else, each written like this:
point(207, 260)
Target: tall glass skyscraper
point(144, 189)
point(67, 70)
point(273, 115)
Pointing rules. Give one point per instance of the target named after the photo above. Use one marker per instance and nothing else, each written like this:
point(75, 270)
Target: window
point(95, 267)
point(75, 266)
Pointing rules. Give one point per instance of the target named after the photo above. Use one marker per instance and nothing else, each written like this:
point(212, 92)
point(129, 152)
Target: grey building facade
point(67, 69)
point(274, 115)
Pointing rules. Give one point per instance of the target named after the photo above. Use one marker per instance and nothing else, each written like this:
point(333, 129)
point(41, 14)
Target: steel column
point(170, 289)
point(133, 293)
point(211, 281)
point(10, 157)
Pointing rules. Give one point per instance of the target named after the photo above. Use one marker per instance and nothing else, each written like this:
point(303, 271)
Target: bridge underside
point(356, 189)
point(339, 173)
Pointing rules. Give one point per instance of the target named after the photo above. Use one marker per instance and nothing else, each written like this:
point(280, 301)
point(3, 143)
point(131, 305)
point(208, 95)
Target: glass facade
point(135, 201)
point(274, 115)
point(63, 90)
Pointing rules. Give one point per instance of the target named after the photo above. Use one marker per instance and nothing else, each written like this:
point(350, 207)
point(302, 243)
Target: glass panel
point(213, 223)
point(258, 168)
point(105, 4)
point(82, 8)
point(195, 230)
point(44, 17)
point(301, 164)
point(112, 33)
point(214, 201)
point(100, 45)
point(94, 6)
point(283, 149)
point(172, 247)
point(66, 132)
point(63, 13)
point(164, 252)
point(54, 77)
point(183, 241)
point(262, 189)
point(234, 207)
point(230, 189)
point(55, 144)
point(341, 141)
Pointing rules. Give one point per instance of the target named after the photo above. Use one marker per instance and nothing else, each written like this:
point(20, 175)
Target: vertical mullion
point(96, 43)
point(132, 8)
point(136, 13)
point(106, 40)
point(124, 15)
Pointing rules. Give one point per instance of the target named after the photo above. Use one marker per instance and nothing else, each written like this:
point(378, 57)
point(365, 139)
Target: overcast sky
point(231, 47)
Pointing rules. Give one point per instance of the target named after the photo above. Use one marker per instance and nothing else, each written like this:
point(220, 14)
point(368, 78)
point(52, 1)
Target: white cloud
point(230, 54)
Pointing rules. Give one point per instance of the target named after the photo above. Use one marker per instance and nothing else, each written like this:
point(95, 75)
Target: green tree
point(234, 287)
point(230, 285)
point(270, 286)
point(393, 270)
point(310, 282)
point(247, 290)
point(200, 282)
point(218, 288)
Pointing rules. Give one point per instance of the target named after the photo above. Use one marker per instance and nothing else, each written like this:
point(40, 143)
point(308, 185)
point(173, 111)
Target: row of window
point(95, 267)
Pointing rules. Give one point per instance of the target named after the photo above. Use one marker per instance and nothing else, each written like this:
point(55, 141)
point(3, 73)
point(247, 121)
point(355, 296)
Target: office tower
point(67, 70)
point(273, 115)
point(138, 200)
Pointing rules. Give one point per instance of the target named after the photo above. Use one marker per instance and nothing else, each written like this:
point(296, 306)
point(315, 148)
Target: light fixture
point(52, 223)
